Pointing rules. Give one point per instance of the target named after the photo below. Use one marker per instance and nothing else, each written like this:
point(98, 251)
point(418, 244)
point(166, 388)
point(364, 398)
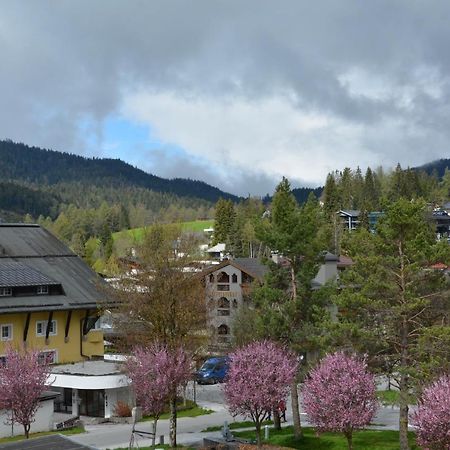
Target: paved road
point(112, 436)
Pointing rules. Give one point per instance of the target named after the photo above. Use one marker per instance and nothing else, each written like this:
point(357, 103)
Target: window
point(223, 330)
point(234, 278)
point(224, 303)
point(223, 277)
point(223, 287)
point(48, 356)
point(42, 290)
point(3, 360)
point(224, 307)
point(6, 332)
point(41, 327)
point(5, 292)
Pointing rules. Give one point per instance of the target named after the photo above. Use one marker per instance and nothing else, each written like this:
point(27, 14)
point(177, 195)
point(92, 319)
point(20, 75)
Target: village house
point(228, 285)
point(49, 301)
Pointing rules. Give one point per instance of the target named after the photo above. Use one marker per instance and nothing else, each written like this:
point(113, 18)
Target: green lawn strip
point(194, 411)
point(137, 234)
point(235, 426)
point(366, 439)
point(197, 225)
point(75, 430)
point(391, 398)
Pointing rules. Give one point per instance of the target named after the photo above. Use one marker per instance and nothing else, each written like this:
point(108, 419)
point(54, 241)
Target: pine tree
point(224, 220)
point(390, 295)
point(331, 197)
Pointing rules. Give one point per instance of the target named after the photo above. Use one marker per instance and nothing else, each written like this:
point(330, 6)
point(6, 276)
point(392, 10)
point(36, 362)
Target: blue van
point(213, 370)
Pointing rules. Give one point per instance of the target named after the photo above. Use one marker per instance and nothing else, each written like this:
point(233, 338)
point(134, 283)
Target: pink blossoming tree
point(432, 417)
point(23, 379)
point(156, 373)
point(340, 395)
point(259, 377)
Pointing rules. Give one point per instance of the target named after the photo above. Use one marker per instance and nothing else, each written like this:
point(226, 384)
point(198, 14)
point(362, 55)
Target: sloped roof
point(39, 256)
point(220, 247)
point(350, 212)
point(14, 273)
point(252, 266)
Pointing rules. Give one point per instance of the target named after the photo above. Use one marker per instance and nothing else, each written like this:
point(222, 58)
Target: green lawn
point(364, 440)
point(391, 398)
point(388, 398)
point(138, 233)
point(190, 410)
point(75, 430)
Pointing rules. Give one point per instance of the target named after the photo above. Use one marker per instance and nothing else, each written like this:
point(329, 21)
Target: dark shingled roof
point(53, 442)
point(252, 265)
point(38, 253)
point(14, 273)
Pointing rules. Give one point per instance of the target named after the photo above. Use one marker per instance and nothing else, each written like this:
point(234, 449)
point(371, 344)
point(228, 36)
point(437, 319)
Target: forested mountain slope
point(438, 167)
point(47, 167)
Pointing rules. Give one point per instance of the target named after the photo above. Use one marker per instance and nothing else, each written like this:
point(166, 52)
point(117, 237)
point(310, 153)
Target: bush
point(122, 409)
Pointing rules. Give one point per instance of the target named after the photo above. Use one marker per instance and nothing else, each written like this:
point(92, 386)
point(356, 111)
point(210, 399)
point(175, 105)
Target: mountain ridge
point(35, 165)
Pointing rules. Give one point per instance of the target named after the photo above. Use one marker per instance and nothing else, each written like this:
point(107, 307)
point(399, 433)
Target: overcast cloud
point(247, 91)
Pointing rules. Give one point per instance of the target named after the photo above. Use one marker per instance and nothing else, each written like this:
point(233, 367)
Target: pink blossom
point(23, 379)
point(259, 376)
point(432, 417)
point(340, 395)
point(156, 373)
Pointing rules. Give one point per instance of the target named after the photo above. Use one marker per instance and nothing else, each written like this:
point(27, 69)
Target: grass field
point(367, 440)
point(195, 411)
point(137, 234)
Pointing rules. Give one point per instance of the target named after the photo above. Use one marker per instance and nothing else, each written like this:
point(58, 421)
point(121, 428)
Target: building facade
point(49, 302)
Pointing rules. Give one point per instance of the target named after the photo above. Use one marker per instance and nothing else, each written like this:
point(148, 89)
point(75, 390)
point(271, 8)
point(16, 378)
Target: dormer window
point(42, 290)
point(5, 292)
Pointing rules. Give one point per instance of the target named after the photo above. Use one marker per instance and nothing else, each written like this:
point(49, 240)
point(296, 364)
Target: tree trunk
point(349, 436)
point(173, 422)
point(404, 409)
point(26, 428)
point(258, 433)
point(404, 359)
point(296, 411)
point(293, 282)
point(276, 419)
point(155, 421)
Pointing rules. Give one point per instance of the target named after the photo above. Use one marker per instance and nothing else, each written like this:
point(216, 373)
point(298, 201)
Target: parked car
point(213, 370)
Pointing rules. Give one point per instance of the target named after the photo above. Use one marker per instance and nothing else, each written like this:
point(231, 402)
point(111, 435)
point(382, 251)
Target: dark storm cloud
point(65, 63)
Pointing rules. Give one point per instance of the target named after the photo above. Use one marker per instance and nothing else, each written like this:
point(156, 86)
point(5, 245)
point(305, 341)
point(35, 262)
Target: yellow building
point(48, 296)
point(49, 301)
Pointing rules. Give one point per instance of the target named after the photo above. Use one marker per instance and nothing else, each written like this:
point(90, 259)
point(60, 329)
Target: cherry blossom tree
point(340, 395)
point(259, 377)
point(432, 416)
point(156, 373)
point(23, 379)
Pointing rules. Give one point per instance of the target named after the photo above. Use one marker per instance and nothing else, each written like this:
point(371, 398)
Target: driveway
point(112, 436)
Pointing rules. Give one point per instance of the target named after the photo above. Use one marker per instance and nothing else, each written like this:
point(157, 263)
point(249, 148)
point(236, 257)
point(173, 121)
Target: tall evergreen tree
point(224, 220)
point(286, 297)
point(331, 197)
point(391, 296)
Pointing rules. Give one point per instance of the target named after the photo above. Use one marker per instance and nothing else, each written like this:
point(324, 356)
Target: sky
point(237, 93)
